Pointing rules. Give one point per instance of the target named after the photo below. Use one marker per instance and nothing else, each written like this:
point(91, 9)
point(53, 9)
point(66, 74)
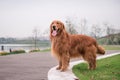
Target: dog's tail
point(100, 50)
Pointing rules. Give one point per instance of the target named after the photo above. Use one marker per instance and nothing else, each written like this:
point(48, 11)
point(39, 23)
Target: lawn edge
point(54, 74)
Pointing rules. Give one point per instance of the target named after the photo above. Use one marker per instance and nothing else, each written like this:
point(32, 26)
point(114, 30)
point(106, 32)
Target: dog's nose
point(54, 27)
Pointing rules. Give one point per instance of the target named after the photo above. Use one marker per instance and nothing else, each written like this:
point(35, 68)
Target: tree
point(83, 26)
point(109, 32)
point(96, 31)
point(110, 29)
point(71, 27)
point(35, 37)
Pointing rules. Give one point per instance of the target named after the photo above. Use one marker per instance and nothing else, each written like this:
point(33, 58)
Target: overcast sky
point(18, 18)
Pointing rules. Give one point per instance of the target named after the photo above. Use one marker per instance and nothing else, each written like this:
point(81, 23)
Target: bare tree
point(35, 37)
point(71, 27)
point(110, 31)
point(96, 31)
point(83, 26)
point(46, 34)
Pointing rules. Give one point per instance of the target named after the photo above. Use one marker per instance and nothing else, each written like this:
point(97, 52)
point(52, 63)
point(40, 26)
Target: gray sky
point(18, 18)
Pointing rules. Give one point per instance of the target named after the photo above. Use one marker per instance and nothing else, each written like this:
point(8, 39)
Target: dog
point(65, 46)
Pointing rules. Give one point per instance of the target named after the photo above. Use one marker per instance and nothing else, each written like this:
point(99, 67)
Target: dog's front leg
point(60, 65)
point(65, 61)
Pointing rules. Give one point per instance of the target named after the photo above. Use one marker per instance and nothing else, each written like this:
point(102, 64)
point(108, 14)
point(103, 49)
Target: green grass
point(107, 69)
point(111, 47)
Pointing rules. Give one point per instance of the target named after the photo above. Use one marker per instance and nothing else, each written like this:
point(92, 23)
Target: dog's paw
point(58, 68)
point(91, 68)
point(63, 70)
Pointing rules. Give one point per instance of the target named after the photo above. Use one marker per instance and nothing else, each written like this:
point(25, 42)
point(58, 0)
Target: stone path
point(30, 66)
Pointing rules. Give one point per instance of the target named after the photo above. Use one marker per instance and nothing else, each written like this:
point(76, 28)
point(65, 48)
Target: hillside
point(112, 39)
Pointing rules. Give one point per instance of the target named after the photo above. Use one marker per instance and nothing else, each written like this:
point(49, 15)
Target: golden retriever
point(65, 46)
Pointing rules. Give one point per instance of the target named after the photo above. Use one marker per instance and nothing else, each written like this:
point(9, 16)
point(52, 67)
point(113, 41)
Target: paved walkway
point(54, 74)
point(33, 66)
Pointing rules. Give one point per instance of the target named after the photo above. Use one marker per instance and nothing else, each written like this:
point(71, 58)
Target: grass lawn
point(111, 47)
point(107, 69)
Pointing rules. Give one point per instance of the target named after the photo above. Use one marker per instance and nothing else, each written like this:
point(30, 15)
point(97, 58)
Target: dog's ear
point(50, 31)
point(63, 26)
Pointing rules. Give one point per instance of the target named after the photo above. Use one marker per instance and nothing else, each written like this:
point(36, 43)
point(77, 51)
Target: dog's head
point(56, 28)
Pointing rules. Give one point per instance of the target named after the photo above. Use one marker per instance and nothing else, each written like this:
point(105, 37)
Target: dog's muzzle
point(54, 27)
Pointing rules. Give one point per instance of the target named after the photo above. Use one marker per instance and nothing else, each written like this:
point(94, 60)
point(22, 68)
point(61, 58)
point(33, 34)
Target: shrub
point(3, 53)
point(35, 50)
point(17, 51)
point(45, 50)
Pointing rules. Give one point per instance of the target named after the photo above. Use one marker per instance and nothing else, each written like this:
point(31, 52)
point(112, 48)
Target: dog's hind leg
point(90, 57)
point(91, 61)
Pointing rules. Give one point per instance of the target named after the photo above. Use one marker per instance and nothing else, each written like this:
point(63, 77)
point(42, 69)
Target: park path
point(30, 66)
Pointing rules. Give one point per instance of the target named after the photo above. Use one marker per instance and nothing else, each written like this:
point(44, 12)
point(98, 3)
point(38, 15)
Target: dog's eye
point(57, 22)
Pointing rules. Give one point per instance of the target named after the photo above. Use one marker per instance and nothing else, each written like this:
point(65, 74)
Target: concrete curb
point(54, 74)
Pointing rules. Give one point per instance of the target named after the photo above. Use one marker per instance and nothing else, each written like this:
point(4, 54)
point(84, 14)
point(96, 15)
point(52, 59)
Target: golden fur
point(65, 46)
